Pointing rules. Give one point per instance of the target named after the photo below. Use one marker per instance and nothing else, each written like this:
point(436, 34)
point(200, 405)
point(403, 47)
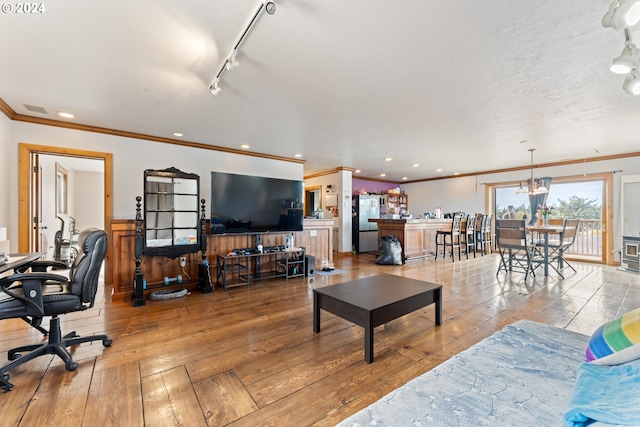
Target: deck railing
point(588, 239)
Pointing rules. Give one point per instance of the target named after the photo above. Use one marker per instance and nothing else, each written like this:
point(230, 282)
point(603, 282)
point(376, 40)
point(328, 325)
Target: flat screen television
point(252, 204)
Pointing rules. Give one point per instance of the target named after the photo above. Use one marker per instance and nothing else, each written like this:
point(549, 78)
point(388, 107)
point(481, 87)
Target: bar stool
point(487, 234)
point(470, 235)
point(479, 227)
point(450, 237)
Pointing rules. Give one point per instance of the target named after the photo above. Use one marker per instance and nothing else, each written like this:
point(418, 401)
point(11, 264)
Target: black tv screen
point(245, 203)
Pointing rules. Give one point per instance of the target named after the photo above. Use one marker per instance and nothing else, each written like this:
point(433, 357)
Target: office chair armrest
point(42, 266)
point(31, 295)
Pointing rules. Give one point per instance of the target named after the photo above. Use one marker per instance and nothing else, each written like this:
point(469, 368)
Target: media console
point(240, 268)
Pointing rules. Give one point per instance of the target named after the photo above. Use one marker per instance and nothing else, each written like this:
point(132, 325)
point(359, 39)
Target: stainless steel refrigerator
point(365, 233)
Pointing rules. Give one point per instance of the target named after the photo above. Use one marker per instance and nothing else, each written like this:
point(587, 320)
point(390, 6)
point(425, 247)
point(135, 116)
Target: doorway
point(312, 200)
point(31, 202)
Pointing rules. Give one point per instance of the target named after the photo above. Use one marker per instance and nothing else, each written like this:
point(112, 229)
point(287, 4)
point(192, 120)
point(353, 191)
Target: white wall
point(462, 194)
point(5, 176)
point(88, 209)
point(130, 158)
point(340, 183)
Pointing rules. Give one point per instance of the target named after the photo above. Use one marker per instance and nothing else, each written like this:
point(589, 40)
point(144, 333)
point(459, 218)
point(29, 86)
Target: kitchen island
point(417, 236)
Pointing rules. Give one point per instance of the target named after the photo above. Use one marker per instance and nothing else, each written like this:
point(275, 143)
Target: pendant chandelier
point(535, 186)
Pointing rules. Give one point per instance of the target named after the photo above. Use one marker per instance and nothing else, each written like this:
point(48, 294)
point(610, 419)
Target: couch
point(524, 375)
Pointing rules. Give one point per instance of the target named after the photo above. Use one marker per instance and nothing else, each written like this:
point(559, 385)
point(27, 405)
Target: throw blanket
point(520, 376)
point(609, 394)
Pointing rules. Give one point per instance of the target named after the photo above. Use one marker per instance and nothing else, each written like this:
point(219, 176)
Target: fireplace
point(631, 253)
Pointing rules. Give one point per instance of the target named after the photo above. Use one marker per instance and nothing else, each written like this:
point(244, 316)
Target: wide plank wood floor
point(249, 357)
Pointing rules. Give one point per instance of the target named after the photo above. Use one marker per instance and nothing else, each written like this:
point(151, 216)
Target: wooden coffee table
point(374, 301)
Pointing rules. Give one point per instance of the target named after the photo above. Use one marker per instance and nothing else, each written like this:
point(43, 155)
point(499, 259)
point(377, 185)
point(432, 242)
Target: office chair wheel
point(12, 355)
point(5, 384)
point(107, 342)
point(71, 366)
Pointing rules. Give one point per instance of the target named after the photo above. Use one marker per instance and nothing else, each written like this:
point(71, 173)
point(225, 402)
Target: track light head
point(627, 61)
point(214, 88)
point(231, 60)
point(622, 14)
point(632, 83)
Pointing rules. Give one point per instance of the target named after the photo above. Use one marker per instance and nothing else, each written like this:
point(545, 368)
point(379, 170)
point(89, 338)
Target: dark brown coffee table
point(374, 301)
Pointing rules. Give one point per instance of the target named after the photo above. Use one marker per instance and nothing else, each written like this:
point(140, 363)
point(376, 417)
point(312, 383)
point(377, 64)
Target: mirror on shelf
point(171, 212)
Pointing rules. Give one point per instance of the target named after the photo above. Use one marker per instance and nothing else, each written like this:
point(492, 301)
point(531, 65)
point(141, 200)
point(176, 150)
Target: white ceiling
point(453, 84)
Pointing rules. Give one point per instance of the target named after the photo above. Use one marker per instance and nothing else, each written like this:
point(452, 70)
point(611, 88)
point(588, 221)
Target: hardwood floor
point(249, 357)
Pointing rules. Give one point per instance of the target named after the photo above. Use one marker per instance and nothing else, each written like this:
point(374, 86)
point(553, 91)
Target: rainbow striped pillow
point(617, 341)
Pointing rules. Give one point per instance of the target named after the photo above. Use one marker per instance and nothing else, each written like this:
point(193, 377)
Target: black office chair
point(38, 294)
point(40, 266)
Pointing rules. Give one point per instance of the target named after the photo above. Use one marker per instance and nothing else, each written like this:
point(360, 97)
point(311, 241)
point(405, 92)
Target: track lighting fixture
point(628, 61)
point(230, 61)
point(214, 88)
point(622, 14)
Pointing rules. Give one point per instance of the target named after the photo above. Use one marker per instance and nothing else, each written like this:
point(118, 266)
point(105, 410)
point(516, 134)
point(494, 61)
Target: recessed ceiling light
point(439, 170)
point(358, 171)
point(387, 159)
point(245, 146)
point(456, 173)
point(178, 134)
point(383, 174)
point(404, 178)
point(65, 115)
point(415, 165)
point(297, 155)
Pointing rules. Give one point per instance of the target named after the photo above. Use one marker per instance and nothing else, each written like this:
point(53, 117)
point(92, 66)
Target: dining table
point(546, 230)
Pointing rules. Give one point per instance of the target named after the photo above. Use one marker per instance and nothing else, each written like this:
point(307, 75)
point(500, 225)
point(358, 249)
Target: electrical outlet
point(183, 261)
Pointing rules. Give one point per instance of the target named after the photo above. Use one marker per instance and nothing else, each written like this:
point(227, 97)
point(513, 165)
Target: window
point(62, 180)
point(570, 197)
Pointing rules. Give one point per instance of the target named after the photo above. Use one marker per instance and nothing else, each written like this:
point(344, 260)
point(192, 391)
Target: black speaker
point(309, 266)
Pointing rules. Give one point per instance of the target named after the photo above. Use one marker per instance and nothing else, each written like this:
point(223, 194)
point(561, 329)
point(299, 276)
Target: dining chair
point(513, 247)
point(566, 238)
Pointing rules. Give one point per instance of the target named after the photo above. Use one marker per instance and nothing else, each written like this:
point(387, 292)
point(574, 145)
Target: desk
point(18, 260)
point(545, 231)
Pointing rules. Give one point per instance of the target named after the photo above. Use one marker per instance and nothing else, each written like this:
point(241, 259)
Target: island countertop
point(411, 221)
point(417, 236)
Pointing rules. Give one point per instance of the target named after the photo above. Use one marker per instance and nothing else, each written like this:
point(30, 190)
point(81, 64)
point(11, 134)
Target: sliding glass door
point(584, 198)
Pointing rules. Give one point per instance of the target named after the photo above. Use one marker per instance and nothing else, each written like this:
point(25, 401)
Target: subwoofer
point(309, 266)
